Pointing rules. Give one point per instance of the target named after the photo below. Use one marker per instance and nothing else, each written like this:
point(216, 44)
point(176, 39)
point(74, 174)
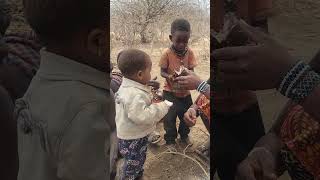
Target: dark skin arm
point(312, 102)
point(262, 162)
point(278, 123)
point(271, 140)
point(165, 74)
point(190, 117)
point(191, 81)
point(241, 66)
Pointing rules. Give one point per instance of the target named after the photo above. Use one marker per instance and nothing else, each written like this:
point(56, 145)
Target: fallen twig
point(205, 132)
point(185, 149)
point(181, 154)
point(194, 160)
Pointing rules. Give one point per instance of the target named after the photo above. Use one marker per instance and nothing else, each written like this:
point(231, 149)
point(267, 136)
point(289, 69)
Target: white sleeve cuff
point(168, 103)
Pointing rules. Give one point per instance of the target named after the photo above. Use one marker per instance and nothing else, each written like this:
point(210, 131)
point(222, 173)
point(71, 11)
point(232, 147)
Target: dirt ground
point(160, 166)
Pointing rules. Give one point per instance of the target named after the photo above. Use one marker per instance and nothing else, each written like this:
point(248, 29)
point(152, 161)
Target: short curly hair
point(180, 25)
point(59, 19)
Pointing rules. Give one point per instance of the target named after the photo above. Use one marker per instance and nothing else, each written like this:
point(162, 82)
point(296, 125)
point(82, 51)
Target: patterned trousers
point(134, 153)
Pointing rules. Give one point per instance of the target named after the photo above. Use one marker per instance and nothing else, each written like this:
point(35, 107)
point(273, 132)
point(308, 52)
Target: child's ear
point(97, 42)
point(119, 56)
point(139, 74)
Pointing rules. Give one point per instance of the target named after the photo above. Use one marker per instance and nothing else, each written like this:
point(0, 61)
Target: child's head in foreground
point(73, 28)
point(180, 34)
point(135, 64)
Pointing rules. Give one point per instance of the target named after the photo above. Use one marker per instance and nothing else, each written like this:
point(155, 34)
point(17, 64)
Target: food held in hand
point(156, 95)
point(231, 34)
point(181, 72)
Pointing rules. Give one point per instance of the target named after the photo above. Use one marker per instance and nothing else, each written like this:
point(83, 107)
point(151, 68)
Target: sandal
point(154, 138)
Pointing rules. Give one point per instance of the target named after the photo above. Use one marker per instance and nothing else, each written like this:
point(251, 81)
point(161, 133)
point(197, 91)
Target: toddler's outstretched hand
point(154, 83)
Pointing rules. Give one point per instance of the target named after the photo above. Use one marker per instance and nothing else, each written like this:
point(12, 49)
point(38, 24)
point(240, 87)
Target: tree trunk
point(143, 34)
point(144, 39)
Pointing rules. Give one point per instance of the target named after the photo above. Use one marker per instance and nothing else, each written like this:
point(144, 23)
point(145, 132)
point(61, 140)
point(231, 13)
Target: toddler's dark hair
point(58, 20)
point(131, 61)
point(180, 25)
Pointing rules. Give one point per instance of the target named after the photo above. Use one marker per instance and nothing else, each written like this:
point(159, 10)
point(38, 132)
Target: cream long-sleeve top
point(136, 115)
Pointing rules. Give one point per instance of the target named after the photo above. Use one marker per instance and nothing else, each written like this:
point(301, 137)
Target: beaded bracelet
point(304, 87)
point(292, 76)
point(299, 82)
point(203, 87)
